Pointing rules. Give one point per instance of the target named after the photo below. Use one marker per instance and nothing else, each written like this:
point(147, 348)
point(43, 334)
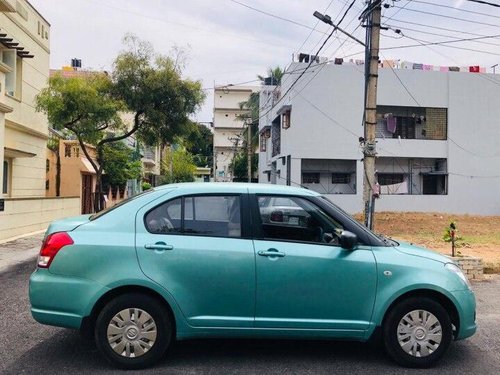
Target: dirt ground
point(481, 234)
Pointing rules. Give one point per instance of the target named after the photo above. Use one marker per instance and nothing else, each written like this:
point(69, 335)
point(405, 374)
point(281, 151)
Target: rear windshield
point(109, 209)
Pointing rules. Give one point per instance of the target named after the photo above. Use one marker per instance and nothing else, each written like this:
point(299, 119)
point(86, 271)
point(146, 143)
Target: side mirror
point(348, 240)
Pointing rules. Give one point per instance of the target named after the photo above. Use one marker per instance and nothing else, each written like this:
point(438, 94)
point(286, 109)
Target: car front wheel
point(417, 332)
point(133, 331)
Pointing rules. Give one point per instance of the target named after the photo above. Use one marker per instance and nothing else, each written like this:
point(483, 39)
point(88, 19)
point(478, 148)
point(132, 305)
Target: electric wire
point(485, 3)
point(457, 9)
point(450, 17)
point(308, 66)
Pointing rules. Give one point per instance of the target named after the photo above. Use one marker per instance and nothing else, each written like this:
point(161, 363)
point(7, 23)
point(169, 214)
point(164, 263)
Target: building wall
point(73, 166)
point(227, 127)
point(23, 128)
point(326, 122)
point(26, 215)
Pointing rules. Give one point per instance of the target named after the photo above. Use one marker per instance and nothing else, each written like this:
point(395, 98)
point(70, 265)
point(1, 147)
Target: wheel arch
point(88, 322)
point(439, 297)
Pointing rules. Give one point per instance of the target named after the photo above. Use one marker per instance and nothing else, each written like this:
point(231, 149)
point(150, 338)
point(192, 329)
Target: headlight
point(454, 268)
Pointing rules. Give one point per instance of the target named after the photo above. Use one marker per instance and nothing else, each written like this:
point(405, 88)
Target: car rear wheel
point(133, 331)
point(417, 332)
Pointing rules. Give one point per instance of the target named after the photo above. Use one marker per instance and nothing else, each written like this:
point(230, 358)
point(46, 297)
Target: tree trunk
point(58, 174)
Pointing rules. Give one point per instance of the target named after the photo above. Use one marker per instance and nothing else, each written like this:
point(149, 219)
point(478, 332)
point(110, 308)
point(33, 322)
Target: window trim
point(245, 222)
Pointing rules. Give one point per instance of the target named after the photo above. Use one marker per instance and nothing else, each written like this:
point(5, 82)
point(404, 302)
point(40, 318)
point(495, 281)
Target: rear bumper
point(466, 306)
point(61, 300)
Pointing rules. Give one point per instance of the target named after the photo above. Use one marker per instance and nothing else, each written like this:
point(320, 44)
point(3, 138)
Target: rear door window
point(210, 215)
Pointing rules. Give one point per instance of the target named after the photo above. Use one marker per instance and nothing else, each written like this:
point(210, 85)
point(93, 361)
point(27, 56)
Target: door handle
point(158, 246)
point(271, 253)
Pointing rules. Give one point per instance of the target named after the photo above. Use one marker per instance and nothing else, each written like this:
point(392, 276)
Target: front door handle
point(158, 246)
point(271, 253)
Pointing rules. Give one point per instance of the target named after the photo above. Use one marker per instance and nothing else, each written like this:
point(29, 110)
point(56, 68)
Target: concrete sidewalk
point(19, 250)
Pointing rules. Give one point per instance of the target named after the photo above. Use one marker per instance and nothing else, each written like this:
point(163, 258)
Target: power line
point(121, 9)
point(308, 66)
point(418, 103)
point(276, 16)
point(392, 27)
point(399, 10)
point(445, 42)
point(449, 17)
point(457, 9)
point(485, 3)
point(316, 25)
point(437, 27)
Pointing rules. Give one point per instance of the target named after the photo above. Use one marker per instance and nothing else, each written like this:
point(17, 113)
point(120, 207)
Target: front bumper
point(465, 302)
point(62, 301)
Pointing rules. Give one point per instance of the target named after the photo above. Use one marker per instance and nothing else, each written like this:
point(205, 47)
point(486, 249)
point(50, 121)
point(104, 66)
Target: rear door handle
point(158, 246)
point(271, 253)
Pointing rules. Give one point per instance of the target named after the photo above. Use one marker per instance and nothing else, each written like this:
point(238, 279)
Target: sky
point(228, 43)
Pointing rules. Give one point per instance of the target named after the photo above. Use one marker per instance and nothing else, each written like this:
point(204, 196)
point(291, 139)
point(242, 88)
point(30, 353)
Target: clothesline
point(408, 65)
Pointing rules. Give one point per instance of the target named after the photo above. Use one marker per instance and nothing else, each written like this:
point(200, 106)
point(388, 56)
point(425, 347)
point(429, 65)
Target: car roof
point(221, 187)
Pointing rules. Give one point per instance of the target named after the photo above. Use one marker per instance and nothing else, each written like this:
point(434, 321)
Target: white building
point(227, 127)
point(438, 138)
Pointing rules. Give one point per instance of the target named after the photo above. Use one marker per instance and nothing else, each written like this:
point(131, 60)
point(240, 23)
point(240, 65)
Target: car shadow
point(66, 352)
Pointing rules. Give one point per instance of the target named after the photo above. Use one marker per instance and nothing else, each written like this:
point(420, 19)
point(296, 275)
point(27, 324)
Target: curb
point(11, 258)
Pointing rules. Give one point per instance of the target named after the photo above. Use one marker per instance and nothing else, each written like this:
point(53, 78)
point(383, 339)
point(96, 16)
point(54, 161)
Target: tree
point(153, 90)
point(240, 166)
point(199, 142)
point(275, 73)
point(83, 106)
point(147, 85)
point(120, 164)
point(53, 145)
point(178, 166)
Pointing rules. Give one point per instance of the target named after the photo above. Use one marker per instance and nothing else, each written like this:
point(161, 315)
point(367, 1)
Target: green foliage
point(146, 186)
point(83, 105)
point(152, 89)
point(276, 72)
point(240, 165)
point(147, 85)
point(447, 232)
point(199, 142)
point(178, 166)
point(119, 164)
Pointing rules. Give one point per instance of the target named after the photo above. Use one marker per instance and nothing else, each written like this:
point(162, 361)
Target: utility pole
point(372, 14)
point(249, 149)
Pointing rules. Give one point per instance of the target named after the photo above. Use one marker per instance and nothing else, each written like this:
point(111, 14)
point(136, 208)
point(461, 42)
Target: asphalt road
point(27, 347)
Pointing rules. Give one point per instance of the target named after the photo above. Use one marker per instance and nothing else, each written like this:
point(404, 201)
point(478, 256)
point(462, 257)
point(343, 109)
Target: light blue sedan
point(243, 260)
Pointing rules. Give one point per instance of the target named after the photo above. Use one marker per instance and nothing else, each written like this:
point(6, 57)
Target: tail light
point(51, 246)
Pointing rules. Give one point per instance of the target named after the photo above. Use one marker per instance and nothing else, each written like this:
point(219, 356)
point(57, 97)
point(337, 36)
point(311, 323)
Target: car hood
point(67, 224)
point(422, 252)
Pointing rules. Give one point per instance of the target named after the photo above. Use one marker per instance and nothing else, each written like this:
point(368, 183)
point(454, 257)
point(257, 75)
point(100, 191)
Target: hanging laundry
point(428, 67)
point(464, 69)
point(474, 69)
point(454, 69)
point(391, 123)
point(406, 65)
point(360, 62)
point(338, 61)
point(388, 64)
point(418, 66)
point(444, 69)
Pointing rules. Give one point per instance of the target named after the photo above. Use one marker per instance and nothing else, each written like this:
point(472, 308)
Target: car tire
point(417, 332)
point(133, 331)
